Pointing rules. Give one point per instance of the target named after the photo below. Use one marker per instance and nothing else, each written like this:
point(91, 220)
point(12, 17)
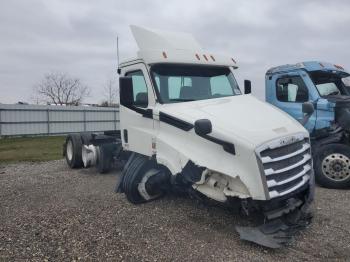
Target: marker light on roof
point(339, 67)
point(234, 61)
point(164, 55)
point(212, 57)
point(205, 57)
point(197, 56)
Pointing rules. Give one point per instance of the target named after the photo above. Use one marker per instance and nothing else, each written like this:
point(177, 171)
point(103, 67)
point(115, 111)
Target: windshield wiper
point(181, 100)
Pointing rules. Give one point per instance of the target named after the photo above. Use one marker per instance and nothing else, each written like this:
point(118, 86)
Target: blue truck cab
point(317, 94)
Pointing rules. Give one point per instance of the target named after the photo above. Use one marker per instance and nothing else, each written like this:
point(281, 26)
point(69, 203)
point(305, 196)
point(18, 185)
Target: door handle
point(125, 135)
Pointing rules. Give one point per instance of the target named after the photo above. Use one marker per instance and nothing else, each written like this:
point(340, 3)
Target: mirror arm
point(305, 119)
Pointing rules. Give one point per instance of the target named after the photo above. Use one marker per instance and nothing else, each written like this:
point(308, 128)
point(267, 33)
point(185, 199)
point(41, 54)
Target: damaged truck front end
point(285, 166)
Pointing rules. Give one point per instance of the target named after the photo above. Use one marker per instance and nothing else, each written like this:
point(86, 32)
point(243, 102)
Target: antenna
point(118, 70)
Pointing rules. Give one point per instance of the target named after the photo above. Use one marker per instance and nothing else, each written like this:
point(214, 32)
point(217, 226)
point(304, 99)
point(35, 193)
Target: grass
point(33, 149)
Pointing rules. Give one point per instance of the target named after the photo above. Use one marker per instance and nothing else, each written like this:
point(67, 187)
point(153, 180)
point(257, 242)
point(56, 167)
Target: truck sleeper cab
point(323, 86)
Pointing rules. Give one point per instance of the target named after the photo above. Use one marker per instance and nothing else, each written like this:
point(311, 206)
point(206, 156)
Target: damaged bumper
point(282, 218)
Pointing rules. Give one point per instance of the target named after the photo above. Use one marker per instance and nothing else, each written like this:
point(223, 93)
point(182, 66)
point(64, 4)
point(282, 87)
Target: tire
point(135, 171)
point(104, 158)
point(73, 147)
point(332, 166)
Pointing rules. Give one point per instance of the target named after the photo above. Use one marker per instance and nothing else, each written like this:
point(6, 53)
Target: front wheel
point(143, 180)
point(332, 166)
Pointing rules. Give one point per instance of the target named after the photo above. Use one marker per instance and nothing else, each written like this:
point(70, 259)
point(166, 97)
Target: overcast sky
point(79, 37)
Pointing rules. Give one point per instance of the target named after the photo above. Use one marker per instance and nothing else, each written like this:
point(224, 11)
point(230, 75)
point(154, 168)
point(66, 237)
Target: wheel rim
point(69, 150)
point(336, 167)
point(142, 185)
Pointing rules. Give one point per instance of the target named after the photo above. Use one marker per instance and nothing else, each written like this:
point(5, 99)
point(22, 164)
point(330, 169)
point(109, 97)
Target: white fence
point(19, 120)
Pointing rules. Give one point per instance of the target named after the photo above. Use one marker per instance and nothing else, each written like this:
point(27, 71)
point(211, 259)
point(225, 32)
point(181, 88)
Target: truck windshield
point(182, 83)
point(346, 81)
point(330, 83)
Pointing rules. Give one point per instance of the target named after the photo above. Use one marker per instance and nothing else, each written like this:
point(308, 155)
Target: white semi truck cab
point(185, 124)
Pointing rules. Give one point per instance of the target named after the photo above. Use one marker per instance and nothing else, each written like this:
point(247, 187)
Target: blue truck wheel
point(332, 166)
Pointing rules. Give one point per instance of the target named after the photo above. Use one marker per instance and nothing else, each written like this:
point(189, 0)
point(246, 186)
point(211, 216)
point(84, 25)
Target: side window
point(292, 89)
point(139, 88)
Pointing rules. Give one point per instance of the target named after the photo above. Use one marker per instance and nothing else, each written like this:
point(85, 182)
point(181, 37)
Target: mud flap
point(276, 233)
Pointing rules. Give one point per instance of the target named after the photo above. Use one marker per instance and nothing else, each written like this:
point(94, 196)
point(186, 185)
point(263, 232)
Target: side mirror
point(126, 92)
point(308, 108)
point(247, 86)
point(202, 127)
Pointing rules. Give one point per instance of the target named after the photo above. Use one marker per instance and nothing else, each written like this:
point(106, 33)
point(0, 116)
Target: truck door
point(290, 93)
point(136, 123)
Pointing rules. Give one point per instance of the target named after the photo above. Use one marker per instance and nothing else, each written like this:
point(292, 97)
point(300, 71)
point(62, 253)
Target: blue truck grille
point(286, 164)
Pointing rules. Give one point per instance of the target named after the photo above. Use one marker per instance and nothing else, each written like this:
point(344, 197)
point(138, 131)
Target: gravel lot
point(49, 212)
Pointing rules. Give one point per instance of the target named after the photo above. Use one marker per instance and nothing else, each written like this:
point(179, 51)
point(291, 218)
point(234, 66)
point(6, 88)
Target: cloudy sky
point(79, 36)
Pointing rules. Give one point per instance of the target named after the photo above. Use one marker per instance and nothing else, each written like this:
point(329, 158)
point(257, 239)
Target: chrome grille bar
point(275, 193)
point(272, 183)
point(301, 162)
point(268, 159)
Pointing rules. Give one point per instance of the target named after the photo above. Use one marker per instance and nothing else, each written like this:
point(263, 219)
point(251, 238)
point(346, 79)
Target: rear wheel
point(73, 148)
point(332, 166)
point(144, 180)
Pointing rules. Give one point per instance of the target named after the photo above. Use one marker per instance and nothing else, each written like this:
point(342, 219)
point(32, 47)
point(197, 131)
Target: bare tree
point(110, 93)
point(61, 89)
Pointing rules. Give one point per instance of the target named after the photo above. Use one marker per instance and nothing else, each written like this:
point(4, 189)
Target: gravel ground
point(48, 212)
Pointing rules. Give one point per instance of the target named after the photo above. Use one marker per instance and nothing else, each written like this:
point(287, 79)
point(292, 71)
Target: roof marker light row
point(198, 57)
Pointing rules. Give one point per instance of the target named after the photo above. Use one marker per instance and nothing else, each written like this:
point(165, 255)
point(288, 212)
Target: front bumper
point(282, 217)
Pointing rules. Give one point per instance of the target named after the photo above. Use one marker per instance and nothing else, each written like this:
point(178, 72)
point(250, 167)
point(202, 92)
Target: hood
point(242, 116)
point(339, 100)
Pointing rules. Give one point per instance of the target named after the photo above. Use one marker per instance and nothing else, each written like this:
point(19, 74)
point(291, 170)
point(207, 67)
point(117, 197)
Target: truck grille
point(286, 164)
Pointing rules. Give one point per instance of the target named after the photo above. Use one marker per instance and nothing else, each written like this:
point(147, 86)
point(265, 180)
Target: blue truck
point(317, 94)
